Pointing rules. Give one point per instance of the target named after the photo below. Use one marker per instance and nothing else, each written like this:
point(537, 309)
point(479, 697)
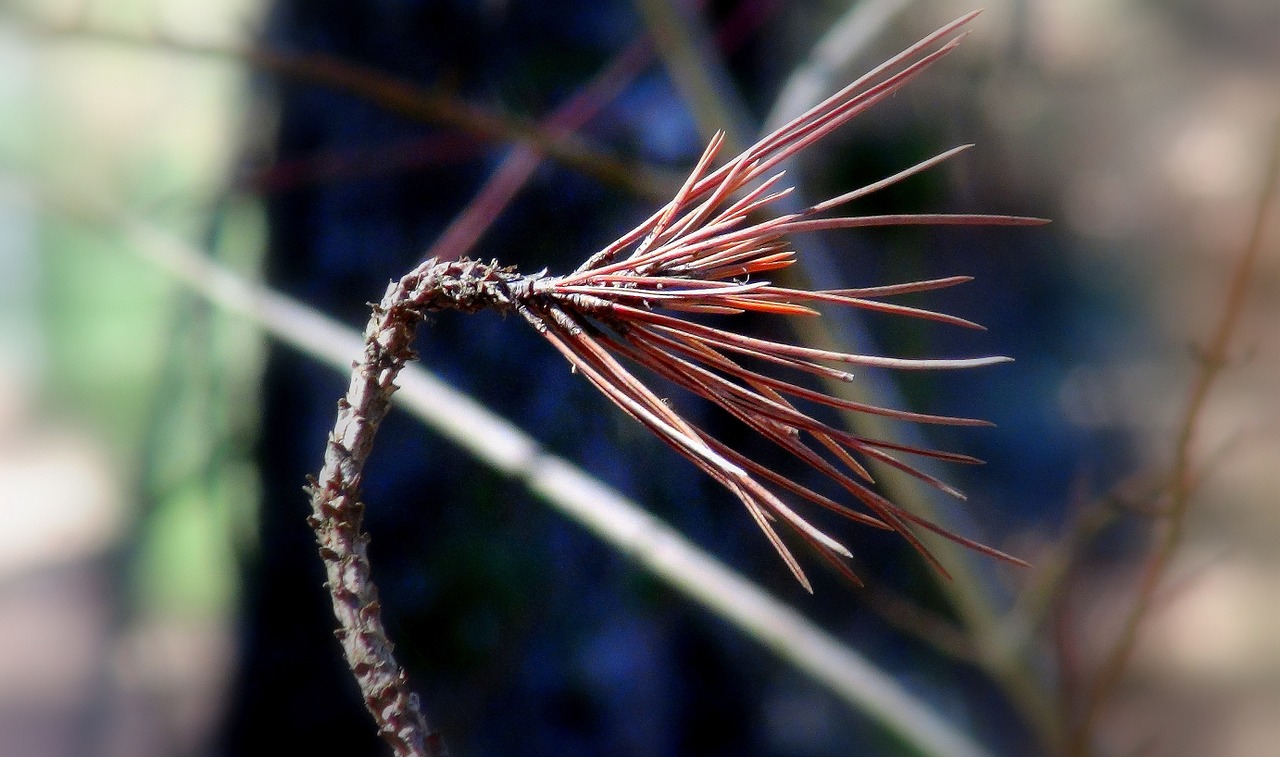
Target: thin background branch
point(399, 96)
point(1183, 474)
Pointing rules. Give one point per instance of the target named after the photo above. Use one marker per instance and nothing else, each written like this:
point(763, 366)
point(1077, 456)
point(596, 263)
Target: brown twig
point(335, 494)
point(1182, 476)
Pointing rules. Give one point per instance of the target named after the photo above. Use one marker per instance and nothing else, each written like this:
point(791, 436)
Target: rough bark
point(337, 511)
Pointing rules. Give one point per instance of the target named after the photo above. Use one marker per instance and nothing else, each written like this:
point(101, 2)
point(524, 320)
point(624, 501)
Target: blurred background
point(160, 592)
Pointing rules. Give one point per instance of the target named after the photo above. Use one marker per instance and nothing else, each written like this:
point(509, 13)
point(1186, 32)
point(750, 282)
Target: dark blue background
point(523, 634)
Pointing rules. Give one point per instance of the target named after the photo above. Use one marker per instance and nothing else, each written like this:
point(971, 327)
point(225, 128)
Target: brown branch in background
point(465, 230)
point(399, 96)
point(348, 164)
point(405, 98)
point(1182, 476)
point(921, 623)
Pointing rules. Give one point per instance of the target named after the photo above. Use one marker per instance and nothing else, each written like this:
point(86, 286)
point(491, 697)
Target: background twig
point(1182, 475)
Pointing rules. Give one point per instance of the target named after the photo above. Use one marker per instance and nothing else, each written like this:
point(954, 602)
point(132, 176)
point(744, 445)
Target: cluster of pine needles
point(705, 252)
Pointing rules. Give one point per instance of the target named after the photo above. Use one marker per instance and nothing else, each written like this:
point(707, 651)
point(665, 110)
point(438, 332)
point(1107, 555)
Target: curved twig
point(335, 494)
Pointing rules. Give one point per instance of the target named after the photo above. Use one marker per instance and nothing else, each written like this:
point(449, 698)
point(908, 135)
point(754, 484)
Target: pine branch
point(696, 254)
point(335, 494)
point(635, 300)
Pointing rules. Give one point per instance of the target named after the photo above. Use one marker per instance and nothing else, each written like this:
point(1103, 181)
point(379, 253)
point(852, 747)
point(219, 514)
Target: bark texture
point(337, 511)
